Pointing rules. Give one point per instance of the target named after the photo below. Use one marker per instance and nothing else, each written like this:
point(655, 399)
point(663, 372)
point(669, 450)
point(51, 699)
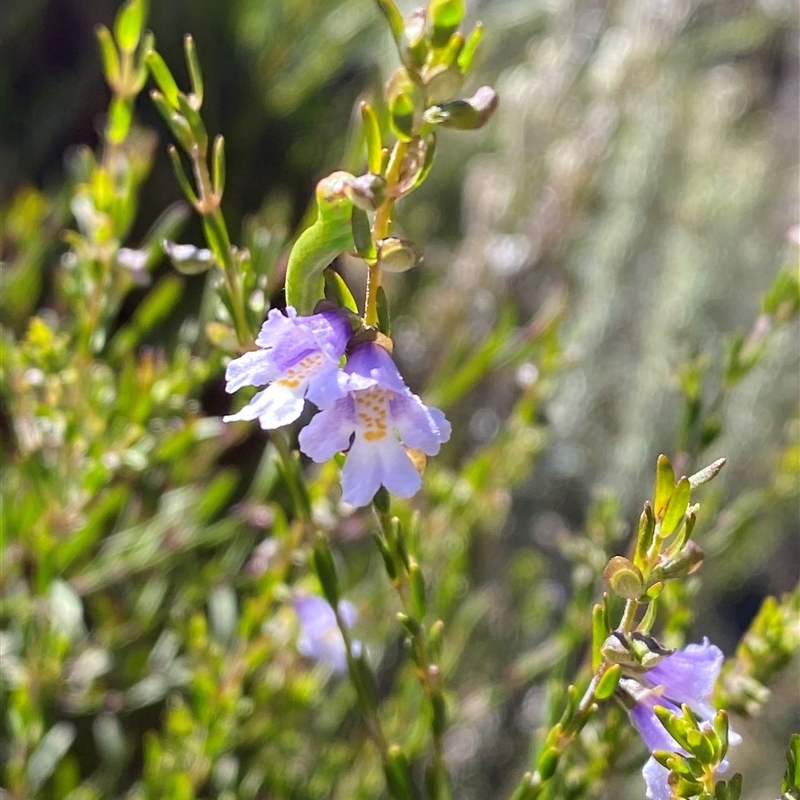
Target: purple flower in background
point(687, 676)
point(320, 638)
point(299, 358)
point(376, 417)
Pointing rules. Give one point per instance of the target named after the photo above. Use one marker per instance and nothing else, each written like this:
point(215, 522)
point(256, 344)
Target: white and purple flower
point(320, 638)
point(687, 676)
point(376, 418)
point(299, 358)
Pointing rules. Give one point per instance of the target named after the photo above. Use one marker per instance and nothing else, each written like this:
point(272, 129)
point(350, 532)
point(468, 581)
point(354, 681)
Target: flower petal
point(371, 464)
point(418, 425)
point(656, 777)
point(255, 368)
point(328, 432)
point(651, 730)
point(327, 385)
point(689, 675)
point(369, 364)
point(274, 407)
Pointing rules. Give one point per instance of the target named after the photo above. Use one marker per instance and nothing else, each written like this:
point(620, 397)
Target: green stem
point(209, 207)
point(427, 670)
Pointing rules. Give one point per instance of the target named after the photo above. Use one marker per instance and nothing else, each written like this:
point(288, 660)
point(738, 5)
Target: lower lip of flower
point(372, 412)
point(301, 371)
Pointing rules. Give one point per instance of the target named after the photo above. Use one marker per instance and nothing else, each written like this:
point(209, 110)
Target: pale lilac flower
point(687, 676)
point(376, 417)
point(320, 638)
point(299, 358)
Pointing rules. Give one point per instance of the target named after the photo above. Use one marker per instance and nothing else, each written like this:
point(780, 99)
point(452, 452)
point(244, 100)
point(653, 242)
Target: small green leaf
point(109, 54)
point(159, 303)
point(600, 632)
point(548, 762)
point(163, 78)
point(326, 571)
point(393, 17)
point(384, 319)
point(467, 55)
point(372, 137)
point(676, 507)
point(340, 291)
point(665, 483)
point(128, 25)
point(607, 685)
point(362, 236)
point(417, 583)
point(445, 16)
point(193, 65)
point(218, 165)
point(180, 175)
point(647, 528)
point(398, 775)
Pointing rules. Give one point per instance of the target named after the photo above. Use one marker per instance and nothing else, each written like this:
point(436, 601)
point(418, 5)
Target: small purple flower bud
point(375, 419)
point(320, 638)
point(299, 358)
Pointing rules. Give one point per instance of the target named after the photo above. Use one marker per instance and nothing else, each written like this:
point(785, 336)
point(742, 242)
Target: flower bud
point(465, 115)
point(624, 578)
point(398, 255)
point(687, 561)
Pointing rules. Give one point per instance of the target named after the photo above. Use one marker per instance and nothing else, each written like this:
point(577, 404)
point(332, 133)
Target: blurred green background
point(640, 180)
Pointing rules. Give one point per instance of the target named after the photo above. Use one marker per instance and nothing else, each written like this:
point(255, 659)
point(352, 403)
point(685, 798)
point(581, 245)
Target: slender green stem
point(209, 207)
point(427, 670)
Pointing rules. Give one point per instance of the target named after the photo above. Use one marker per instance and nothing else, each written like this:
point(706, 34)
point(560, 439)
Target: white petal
point(328, 432)
point(255, 368)
point(274, 407)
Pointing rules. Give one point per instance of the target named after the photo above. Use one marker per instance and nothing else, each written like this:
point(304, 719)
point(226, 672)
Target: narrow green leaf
point(600, 633)
point(445, 16)
point(467, 55)
point(676, 507)
point(398, 775)
point(372, 137)
point(108, 53)
point(128, 25)
point(362, 236)
point(218, 164)
point(159, 303)
point(647, 527)
point(419, 603)
point(163, 78)
point(193, 65)
point(340, 291)
point(607, 685)
point(384, 319)
point(195, 122)
point(393, 16)
point(326, 571)
point(180, 175)
point(665, 483)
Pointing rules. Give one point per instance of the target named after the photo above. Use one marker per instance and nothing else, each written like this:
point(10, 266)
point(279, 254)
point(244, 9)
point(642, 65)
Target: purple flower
point(320, 638)
point(376, 417)
point(687, 676)
point(299, 358)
